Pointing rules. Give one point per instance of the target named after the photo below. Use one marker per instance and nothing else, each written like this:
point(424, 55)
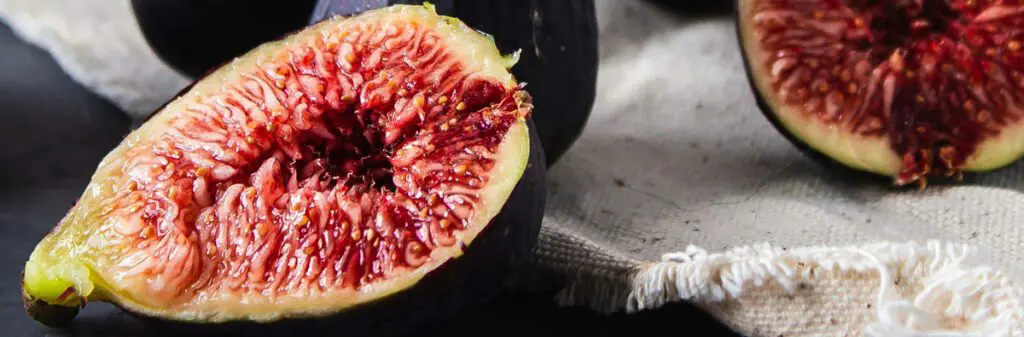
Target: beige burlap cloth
point(680, 190)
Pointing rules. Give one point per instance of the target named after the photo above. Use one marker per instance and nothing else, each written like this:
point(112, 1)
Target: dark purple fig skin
point(558, 61)
point(328, 8)
point(193, 36)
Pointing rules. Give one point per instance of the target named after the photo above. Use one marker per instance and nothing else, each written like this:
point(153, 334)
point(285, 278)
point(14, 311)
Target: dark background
point(53, 132)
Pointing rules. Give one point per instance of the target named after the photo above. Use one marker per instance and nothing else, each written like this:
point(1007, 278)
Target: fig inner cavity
point(904, 22)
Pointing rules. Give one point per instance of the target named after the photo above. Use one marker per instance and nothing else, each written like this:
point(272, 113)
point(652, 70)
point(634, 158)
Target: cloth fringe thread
point(982, 298)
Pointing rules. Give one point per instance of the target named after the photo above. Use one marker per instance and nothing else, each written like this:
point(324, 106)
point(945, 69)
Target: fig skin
point(465, 281)
point(558, 40)
point(692, 7)
point(558, 61)
point(49, 315)
point(194, 36)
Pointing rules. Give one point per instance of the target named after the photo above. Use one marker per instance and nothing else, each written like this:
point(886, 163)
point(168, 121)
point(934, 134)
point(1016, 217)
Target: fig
point(558, 40)
point(559, 59)
point(361, 171)
point(194, 36)
point(906, 90)
point(695, 8)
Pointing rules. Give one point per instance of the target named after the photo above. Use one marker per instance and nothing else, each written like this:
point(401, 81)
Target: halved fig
point(558, 40)
point(377, 161)
point(908, 89)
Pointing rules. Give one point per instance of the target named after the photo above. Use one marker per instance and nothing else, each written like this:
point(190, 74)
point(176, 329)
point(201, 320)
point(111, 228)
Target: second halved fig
point(912, 90)
point(380, 163)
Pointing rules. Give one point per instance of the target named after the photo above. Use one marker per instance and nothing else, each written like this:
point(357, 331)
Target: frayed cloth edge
point(982, 295)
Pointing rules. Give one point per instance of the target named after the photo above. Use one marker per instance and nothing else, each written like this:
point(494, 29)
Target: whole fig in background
point(559, 59)
point(194, 36)
point(558, 40)
point(360, 174)
point(911, 90)
point(696, 7)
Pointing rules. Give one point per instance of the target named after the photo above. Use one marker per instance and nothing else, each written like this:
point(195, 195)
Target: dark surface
point(691, 7)
point(52, 135)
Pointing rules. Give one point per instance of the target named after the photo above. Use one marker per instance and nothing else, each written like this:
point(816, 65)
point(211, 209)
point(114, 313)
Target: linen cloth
point(680, 190)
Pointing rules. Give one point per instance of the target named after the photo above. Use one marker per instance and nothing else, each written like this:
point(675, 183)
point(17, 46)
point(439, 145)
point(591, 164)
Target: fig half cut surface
point(340, 166)
point(910, 89)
